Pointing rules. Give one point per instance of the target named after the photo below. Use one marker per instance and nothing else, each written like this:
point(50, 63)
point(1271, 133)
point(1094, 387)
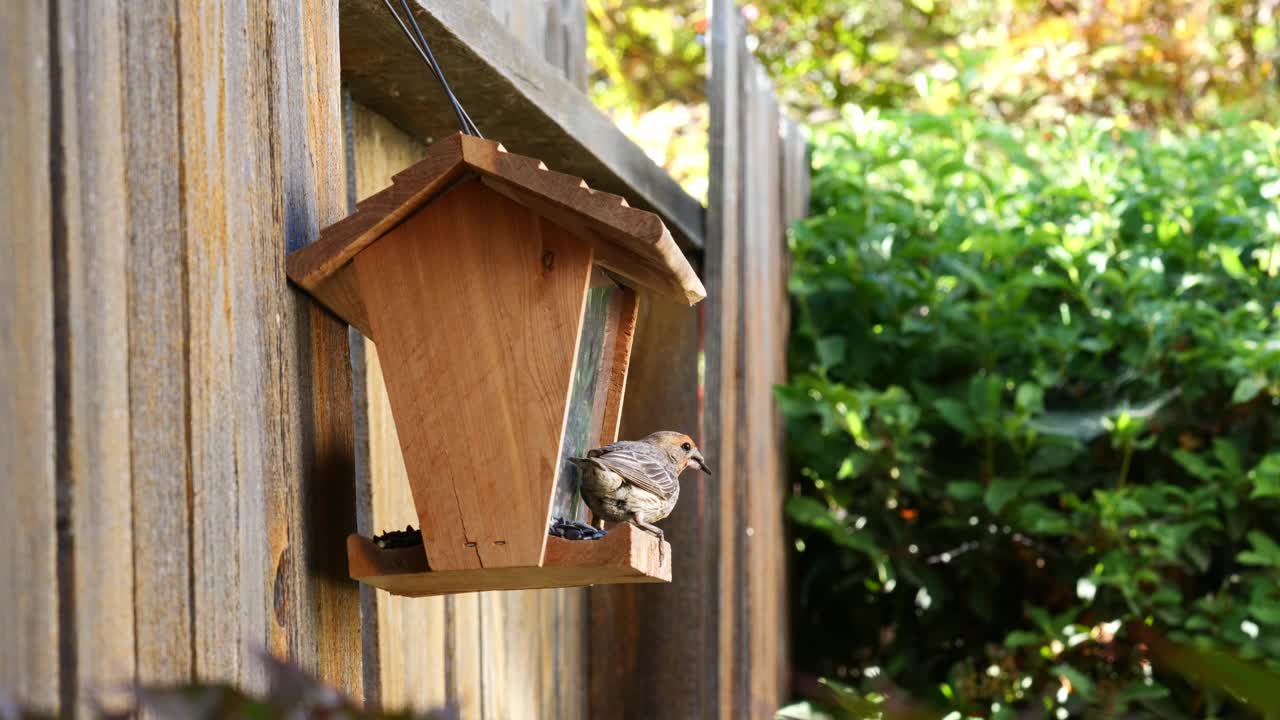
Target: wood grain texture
point(270, 401)
point(644, 638)
point(620, 332)
point(433, 652)
point(721, 416)
point(29, 635)
point(625, 555)
point(310, 490)
point(759, 182)
point(555, 30)
point(763, 548)
point(512, 96)
point(94, 322)
point(157, 346)
point(215, 547)
point(487, 425)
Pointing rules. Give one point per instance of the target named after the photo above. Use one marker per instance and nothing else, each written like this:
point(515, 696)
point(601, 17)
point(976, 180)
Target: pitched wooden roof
point(634, 244)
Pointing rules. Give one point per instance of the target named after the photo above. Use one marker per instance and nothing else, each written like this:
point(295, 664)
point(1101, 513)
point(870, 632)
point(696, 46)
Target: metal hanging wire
point(419, 42)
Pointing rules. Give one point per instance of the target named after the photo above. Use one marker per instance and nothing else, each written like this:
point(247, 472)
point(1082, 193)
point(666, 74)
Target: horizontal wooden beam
point(513, 96)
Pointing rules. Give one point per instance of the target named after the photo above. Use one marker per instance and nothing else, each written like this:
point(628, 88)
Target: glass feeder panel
point(581, 432)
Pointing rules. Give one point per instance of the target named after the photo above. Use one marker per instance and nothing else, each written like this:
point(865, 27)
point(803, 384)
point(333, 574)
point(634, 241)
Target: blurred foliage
point(648, 63)
point(1033, 412)
point(1142, 62)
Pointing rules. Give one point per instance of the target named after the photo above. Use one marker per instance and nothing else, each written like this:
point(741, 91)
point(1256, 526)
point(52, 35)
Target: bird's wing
point(639, 464)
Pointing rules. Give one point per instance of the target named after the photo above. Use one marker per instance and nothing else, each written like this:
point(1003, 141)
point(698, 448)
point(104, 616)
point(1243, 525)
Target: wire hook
point(424, 51)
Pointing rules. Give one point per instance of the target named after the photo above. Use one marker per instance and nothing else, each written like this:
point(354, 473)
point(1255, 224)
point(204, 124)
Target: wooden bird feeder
point(501, 297)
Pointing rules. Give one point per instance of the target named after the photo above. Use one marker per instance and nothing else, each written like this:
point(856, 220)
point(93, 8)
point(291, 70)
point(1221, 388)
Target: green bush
point(1033, 406)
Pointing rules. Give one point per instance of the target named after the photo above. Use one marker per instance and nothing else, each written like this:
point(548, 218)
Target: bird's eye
point(686, 447)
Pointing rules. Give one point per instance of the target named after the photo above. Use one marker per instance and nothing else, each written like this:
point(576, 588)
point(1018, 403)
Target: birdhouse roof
point(633, 244)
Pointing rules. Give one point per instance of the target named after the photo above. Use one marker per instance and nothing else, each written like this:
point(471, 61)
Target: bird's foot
point(656, 531)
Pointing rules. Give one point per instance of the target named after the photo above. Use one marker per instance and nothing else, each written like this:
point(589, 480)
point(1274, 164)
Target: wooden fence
point(185, 440)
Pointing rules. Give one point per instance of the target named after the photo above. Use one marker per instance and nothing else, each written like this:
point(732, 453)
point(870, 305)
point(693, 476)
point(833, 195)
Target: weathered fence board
point(157, 344)
point(310, 494)
point(91, 256)
point(216, 617)
point(28, 444)
point(754, 191)
point(167, 152)
point(555, 30)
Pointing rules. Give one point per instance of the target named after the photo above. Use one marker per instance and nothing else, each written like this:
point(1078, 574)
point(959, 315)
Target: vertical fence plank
point(29, 634)
point(763, 529)
point(157, 345)
point(93, 324)
point(723, 272)
point(649, 644)
point(214, 460)
point(464, 627)
point(310, 493)
point(751, 199)
point(566, 655)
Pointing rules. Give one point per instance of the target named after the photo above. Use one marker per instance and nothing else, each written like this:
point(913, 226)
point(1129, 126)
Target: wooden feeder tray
point(501, 298)
point(625, 555)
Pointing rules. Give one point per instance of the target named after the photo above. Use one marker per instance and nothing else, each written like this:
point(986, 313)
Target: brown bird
point(638, 480)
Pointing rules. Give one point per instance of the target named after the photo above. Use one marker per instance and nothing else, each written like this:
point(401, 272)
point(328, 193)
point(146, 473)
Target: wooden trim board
point(619, 336)
point(625, 555)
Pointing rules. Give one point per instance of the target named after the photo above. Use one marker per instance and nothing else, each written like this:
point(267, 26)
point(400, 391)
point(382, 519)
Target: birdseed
point(574, 530)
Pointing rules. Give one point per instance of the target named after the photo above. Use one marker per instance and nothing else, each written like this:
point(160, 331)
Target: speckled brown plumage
point(637, 481)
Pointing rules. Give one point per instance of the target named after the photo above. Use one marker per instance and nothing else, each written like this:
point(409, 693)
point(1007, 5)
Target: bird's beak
point(696, 460)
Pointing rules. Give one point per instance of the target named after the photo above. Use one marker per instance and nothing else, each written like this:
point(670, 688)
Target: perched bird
point(638, 480)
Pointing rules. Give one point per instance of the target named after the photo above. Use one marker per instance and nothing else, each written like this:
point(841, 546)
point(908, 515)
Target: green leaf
point(1000, 492)
point(1141, 691)
point(1265, 477)
point(1228, 457)
point(984, 399)
point(1231, 262)
point(1194, 464)
point(1265, 551)
point(1022, 638)
point(1030, 398)
point(1051, 458)
point(955, 414)
point(852, 701)
point(1248, 388)
point(964, 490)
point(830, 351)
point(1037, 518)
point(1080, 682)
point(808, 511)
point(1267, 613)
